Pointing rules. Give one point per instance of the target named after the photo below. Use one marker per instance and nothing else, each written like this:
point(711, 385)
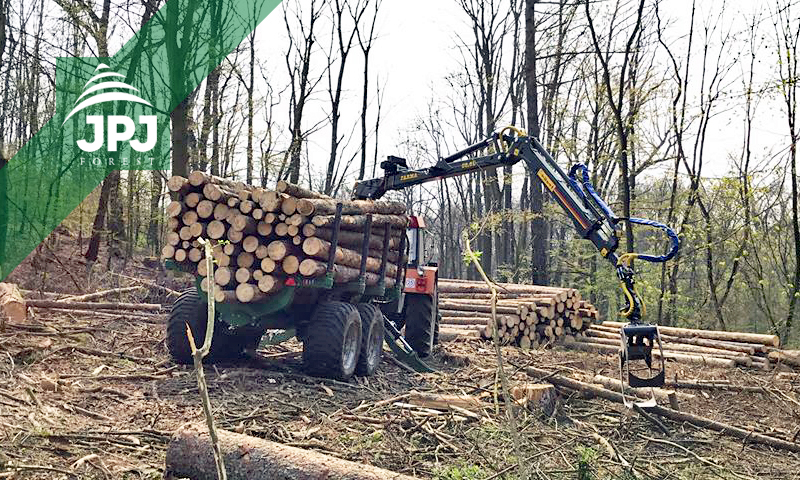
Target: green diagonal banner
point(113, 113)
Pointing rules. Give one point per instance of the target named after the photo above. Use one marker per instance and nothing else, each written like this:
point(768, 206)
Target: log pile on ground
point(694, 346)
point(529, 316)
point(264, 236)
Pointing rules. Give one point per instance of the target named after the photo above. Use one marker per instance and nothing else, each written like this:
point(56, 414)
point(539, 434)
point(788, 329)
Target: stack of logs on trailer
point(262, 237)
point(527, 315)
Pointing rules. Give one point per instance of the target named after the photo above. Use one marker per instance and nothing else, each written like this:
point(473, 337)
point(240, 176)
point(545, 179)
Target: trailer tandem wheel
point(332, 341)
point(371, 339)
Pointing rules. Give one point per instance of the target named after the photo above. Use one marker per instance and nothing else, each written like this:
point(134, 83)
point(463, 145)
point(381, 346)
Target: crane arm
point(591, 217)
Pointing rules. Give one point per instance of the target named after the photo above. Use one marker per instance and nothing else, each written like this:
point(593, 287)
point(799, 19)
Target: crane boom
point(589, 221)
point(591, 217)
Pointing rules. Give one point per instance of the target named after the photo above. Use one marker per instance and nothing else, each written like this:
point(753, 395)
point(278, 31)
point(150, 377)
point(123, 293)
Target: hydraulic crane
point(591, 216)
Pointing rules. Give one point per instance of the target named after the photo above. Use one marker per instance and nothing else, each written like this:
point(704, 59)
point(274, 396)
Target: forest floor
point(95, 395)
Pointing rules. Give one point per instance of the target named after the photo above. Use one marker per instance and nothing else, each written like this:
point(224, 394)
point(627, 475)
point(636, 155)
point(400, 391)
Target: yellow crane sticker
point(546, 180)
point(410, 176)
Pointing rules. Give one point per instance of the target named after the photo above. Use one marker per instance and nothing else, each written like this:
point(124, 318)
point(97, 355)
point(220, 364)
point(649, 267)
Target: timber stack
point(262, 238)
point(695, 346)
point(529, 316)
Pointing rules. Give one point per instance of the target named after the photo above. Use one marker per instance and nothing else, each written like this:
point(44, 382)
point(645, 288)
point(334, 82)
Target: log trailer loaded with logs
point(592, 218)
point(291, 262)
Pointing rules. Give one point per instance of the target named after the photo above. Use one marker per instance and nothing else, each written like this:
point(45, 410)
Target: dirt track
point(118, 397)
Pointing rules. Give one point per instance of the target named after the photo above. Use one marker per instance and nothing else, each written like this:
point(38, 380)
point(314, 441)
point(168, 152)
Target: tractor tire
point(371, 339)
point(421, 322)
point(190, 310)
point(332, 341)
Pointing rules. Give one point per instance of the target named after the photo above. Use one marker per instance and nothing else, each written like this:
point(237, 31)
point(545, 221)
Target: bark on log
point(321, 206)
point(470, 320)
point(675, 415)
point(470, 286)
point(706, 360)
point(448, 286)
point(778, 356)
point(679, 342)
point(144, 307)
point(678, 347)
point(483, 307)
point(350, 238)
point(319, 248)
point(661, 394)
point(770, 340)
point(357, 222)
point(190, 454)
point(456, 334)
point(341, 274)
point(198, 178)
point(463, 313)
point(298, 191)
point(12, 305)
point(445, 401)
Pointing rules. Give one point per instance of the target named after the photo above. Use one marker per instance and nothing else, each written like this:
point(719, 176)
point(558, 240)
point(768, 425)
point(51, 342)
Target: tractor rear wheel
point(371, 339)
point(332, 341)
point(421, 322)
point(189, 309)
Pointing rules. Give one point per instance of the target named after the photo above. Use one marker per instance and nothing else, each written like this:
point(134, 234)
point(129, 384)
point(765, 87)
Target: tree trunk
point(3, 161)
point(99, 220)
point(538, 227)
point(180, 147)
point(250, 108)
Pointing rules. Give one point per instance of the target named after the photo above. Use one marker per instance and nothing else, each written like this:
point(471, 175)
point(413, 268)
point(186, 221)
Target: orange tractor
point(417, 310)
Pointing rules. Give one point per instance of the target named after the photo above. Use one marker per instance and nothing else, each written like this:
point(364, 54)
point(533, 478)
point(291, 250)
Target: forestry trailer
point(591, 216)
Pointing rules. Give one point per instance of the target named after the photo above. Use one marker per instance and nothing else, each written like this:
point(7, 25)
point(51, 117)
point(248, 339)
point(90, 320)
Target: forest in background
point(617, 84)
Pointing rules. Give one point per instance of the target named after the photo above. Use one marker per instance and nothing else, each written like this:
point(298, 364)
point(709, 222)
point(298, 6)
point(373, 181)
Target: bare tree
point(787, 30)
point(538, 226)
point(3, 161)
point(365, 40)
point(344, 42)
point(616, 102)
point(302, 83)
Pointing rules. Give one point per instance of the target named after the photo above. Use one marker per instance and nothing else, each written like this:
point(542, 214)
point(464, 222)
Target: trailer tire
point(332, 341)
point(371, 339)
point(190, 310)
point(421, 322)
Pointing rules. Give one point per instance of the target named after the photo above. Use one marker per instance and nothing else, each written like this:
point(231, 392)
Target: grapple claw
point(638, 340)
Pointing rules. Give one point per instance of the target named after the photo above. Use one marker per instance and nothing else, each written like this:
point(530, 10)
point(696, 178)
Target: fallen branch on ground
point(145, 307)
point(103, 294)
point(669, 413)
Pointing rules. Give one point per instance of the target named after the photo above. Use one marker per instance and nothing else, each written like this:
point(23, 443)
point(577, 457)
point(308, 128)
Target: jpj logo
point(112, 129)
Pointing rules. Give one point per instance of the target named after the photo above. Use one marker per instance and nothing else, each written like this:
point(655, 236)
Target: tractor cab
point(420, 277)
